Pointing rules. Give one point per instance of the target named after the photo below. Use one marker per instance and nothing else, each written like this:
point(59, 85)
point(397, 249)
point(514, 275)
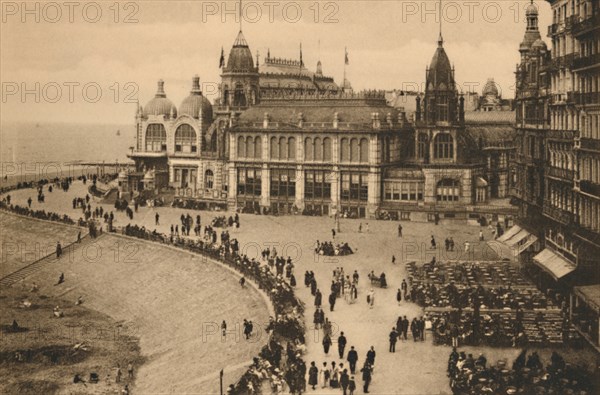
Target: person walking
point(58, 250)
point(344, 381)
point(399, 296)
point(366, 376)
point(404, 287)
point(313, 375)
point(352, 358)
point(399, 230)
point(325, 375)
point(351, 386)
point(332, 300)
point(371, 357)
point(341, 344)
point(318, 298)
point(156, 219)
point(326, 343)
point(393, 259)
point(371, 298)
point(393, 340)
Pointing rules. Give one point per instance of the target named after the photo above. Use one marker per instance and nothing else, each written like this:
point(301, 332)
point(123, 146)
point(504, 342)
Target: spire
point(440, 38)
point(240, 15)
point(301, 62)
point(196, 85)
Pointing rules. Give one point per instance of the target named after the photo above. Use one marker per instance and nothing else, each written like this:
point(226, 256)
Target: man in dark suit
point(341, 344)
point(405, 328)
point(366, 376)
point(393, 339)
point(352, 359)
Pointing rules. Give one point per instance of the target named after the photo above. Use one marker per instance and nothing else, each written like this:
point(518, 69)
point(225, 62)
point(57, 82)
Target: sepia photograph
point(265, 197)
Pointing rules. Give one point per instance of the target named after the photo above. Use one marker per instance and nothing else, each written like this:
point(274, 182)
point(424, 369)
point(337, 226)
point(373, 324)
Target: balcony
point(587, 25)
point(589, 187)
point(586, 61)
point(586, 143)
point(553, 29)
point(147, 154)
point(583, 99)
point(562, 174)
point(558, 215)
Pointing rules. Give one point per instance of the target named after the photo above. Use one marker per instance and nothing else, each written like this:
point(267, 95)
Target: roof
point(554, 264)
point(490, 117)
point(159, 104)
point(240, 57)
point(439, 75)
point(349, 109)
point(492, 135)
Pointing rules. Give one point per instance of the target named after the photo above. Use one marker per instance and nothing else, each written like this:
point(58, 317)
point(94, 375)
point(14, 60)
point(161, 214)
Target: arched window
point(345, 150)
point(156, 138)
point(282, 148)
point(318, 149)
point(308, 149)
point(364, 150)
point(209, 179)
point(213, 142)
point(257, 148)
point(327, 149)
point(241, 148)
point(422, 146)
point(291, 148)
point(448, 190)
point(354, 151)
point(239, 96)
point(185, 139)
point(443, 146)
point(249, 147)
point(274, 148)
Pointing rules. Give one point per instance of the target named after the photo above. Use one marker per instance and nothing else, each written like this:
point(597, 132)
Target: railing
point(587, 61)
point(590, 144)
point(589, 187)
point(585, 25)
point(564, 174)
point(558, 214)
point(587, 98)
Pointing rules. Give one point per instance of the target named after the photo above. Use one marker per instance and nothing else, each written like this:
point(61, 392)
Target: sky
point(89, 62)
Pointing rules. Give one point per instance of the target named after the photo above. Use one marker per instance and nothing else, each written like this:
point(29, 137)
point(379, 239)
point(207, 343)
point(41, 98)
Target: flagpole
point(240, 15)
point(345, 57)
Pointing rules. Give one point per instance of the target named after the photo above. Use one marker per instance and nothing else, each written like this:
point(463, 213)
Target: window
point(318, 149)
point(355, 187)
point(250, 147)
point(443, 146)
point(364, 150)
point(327, 149)
point(185, 139)
point(403, 191)
point(249, 182)
point(208, 179)
point(257, 147)
point(308, 149)
point(241, 148)
point(283, 183)
point(156, 138)
point(422, 146)
point(345, 150)
point(448, 190)
point(291, 148)
point(317, 185)
point(354, 151)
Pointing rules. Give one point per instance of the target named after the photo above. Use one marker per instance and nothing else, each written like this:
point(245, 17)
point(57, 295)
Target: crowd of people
point(528, 375)
point(328, 248)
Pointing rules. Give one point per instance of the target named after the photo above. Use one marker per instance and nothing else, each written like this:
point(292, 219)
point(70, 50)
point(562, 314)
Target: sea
point(32, 151)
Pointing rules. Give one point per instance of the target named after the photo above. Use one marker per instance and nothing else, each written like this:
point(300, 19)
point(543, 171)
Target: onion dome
point(490, 88)
point(196, 103)
point(160, 105)
point(531, 9)
point(440, 74)
point(240, 57)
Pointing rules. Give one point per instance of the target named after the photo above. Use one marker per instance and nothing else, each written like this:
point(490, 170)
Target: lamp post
point(221, 381)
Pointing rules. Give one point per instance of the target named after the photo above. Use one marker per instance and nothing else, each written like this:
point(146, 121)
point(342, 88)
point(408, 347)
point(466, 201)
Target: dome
point(440, 73)
point(240, 57)
point(192, 104)
point(490, 88)
point(539, 43)
point(531, 9)
point(160, 105)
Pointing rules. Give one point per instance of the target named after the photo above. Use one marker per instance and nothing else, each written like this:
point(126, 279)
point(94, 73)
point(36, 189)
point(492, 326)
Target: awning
point(553, 263)
point(509, 233)
point(518, 238)
point(526, 243)
point(590, 294)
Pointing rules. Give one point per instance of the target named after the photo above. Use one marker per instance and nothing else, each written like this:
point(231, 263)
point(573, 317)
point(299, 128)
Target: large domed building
point(281, 138)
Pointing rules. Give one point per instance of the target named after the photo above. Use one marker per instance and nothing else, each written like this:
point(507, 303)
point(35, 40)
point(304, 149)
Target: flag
point(222, 60)
point(346, 61)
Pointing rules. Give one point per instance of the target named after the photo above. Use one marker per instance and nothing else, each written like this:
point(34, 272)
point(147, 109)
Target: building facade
point(283, 139)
